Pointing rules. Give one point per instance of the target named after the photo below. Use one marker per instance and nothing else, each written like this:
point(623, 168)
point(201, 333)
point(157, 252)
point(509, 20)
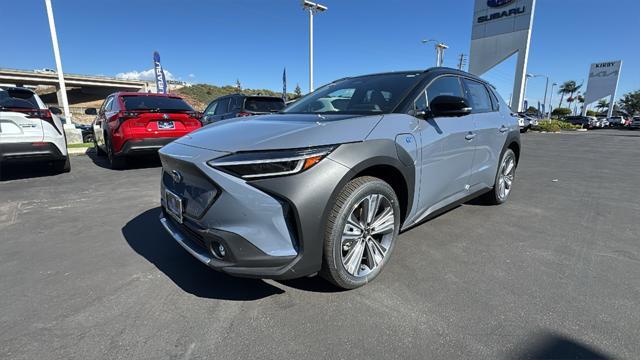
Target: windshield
point(375, 94)
point(158, 103)
point(264, 104)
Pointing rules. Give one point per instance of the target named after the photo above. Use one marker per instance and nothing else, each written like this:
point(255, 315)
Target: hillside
point(200, 95)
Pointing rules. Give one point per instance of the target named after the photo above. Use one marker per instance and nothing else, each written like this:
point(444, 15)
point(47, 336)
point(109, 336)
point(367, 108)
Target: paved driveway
point(87, 272)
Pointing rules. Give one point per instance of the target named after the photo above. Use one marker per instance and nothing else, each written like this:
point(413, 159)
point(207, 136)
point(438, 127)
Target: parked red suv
point(130, 123)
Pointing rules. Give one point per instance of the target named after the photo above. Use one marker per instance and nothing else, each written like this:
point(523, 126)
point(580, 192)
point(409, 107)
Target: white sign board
point(500, 29)
point(603, 82)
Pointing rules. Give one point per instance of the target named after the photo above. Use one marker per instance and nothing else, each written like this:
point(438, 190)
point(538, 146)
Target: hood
point(281, 131)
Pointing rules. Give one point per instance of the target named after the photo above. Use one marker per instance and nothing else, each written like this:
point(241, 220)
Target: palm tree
point(565, 89)
point(580, 100)
point(602, 104)
point(568, 88)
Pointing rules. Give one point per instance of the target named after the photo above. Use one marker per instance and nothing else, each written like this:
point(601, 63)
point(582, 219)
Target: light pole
point(312, 8)
point(551, 99)
point(440, 48)
point(546, 87)
point(56, 54)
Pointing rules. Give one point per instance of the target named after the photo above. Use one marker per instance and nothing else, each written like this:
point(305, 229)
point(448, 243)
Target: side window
point(107, 104)
point(211, 109)
point(447, 85)
point(236, 103)
point(494, 100)
point(478, 96)
point(421, 102)
point(222, 107)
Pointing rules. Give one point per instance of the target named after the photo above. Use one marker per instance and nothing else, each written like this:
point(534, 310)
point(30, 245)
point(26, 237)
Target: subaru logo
point(165, 116)
point(498, 3)
point(176, 176)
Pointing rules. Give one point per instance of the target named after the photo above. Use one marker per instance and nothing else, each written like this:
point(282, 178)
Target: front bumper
point(144, 146)
point(241, 257)
point(30, 151)
point(270, 228)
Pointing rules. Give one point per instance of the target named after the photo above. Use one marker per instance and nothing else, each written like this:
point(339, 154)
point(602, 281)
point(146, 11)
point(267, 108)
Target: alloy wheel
point(506, 175)
point(367, 235)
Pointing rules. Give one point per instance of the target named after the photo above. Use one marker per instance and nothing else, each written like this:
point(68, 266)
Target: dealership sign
point(603, 82)
point(502, 28)
point(501, 14)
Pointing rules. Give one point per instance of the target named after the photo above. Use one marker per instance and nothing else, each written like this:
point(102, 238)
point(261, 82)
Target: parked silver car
point(327, 184)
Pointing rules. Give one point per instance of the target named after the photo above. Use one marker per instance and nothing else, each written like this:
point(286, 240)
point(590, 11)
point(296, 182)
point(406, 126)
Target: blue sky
point(219, 41)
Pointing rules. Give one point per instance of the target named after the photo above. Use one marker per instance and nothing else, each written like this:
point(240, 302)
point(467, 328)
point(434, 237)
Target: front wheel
point(361, 232)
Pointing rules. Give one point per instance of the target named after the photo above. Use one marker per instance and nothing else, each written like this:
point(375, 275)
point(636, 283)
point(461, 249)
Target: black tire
point(493, 197)
point(115, 162)
point(353, 194)
point(62, 166)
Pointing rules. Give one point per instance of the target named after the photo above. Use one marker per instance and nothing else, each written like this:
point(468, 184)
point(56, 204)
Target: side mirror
point(55, 110)
point(448, 106)
point(91, 111)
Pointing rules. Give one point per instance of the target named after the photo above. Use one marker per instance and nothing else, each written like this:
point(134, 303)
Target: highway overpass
point(81, 89)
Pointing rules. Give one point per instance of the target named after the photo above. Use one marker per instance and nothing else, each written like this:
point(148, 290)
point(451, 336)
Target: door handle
point(504, 129)
point(470, 136)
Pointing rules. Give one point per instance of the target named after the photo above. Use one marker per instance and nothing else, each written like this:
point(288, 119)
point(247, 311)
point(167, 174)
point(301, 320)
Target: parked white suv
point(30, 131)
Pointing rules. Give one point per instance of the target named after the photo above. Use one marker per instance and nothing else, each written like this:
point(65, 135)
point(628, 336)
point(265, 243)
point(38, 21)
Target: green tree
point(238, 85)
point(561, 112)
point(630, 103)
point(298, 91)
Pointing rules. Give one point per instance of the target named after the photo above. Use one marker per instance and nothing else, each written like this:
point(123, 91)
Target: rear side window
point(211, 109)
point(479, 97)
point(159, 103)
point(223, 106)
point(444, 86)
point(18, 99)
point(259, 104)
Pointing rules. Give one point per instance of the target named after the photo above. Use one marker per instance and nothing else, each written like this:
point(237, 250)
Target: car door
point(100, 124)
point(447, 148)
point(491, 131)
point(209, 112)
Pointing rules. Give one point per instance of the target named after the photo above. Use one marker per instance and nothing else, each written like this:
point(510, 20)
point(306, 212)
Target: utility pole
point(462, 61)
point(440, 48)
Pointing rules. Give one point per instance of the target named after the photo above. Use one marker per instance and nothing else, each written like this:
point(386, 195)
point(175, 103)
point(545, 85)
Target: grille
point(197, 191)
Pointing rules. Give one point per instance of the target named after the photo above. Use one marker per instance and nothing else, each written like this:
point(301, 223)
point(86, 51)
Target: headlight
point(251, 165)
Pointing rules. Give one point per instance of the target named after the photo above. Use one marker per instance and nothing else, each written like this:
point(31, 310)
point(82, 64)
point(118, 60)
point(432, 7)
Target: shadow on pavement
point(548, 345)
point(147, 237)
point(26, 170)
point(133, 162)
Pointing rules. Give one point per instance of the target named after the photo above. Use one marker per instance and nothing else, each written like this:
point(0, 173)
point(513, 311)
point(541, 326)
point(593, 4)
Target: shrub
point(555, 126)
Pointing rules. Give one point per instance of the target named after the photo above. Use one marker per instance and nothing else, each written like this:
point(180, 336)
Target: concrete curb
point(79, 151)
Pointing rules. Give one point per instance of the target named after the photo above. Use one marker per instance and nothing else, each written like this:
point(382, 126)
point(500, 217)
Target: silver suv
point(327, 184)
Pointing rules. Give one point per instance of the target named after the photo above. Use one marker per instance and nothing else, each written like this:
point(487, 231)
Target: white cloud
point(143, 75)
point(192, 75)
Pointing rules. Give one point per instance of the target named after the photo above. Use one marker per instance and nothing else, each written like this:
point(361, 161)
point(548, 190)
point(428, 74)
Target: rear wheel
point(361, 232)
point(115, 162)
point(504, 179)
point(62, 166)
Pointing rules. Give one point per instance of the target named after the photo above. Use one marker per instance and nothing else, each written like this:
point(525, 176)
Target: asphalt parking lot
point(88, 272)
